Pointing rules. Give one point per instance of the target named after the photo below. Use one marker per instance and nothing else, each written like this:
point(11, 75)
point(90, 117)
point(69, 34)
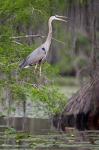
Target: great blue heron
point(39, 55)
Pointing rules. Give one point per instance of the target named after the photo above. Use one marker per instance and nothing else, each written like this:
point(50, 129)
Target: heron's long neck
point(49, 36)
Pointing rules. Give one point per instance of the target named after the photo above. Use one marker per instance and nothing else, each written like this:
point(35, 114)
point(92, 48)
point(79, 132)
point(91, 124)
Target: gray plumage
point(35, 57)
point(39, 55)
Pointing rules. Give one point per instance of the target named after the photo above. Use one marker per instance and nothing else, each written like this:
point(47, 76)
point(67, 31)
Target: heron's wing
point(33, 58)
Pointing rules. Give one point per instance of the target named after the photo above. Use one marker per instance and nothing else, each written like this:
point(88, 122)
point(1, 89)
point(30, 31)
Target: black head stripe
point(43, 48)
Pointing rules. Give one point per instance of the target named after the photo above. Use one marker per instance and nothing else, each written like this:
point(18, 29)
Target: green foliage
point(18, 92)
point(50, 70)
point(49, 95)
point(16, 18)
point(23, 17)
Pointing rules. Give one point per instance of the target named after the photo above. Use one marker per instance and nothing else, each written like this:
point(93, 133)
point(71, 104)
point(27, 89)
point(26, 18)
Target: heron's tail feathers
point(23, 64)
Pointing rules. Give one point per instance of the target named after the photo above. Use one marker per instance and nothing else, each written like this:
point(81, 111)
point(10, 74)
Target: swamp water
point(39, 135)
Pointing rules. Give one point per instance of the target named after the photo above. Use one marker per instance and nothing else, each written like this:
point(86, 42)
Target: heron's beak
point(61, 18)
point(57, 16)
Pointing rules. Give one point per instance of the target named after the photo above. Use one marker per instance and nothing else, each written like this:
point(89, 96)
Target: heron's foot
point(35, 85)
point(38, 86)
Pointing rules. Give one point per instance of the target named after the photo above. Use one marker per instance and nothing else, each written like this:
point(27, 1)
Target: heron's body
point(38, 56)
point(32, 60)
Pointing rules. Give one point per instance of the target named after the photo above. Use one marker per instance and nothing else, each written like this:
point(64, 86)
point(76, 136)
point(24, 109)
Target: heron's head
point(59, 18)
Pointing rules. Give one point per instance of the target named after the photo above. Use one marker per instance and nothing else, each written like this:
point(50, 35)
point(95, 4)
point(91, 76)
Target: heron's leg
point(35, 68)
point(40, 70)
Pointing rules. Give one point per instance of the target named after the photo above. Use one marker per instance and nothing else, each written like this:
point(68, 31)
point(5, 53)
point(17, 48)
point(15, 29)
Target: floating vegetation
point(54, 140)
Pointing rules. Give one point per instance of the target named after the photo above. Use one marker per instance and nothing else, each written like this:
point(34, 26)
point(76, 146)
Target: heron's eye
point(43, 48)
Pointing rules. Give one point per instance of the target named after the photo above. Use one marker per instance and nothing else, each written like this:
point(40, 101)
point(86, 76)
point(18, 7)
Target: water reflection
point(48, 138)
point(76, 141)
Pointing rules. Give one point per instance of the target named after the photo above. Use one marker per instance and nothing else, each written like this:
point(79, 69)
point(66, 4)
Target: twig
point(26, 36)
point(41, 36)
point(11, 64)
point(17, 42)
point(59, 41)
